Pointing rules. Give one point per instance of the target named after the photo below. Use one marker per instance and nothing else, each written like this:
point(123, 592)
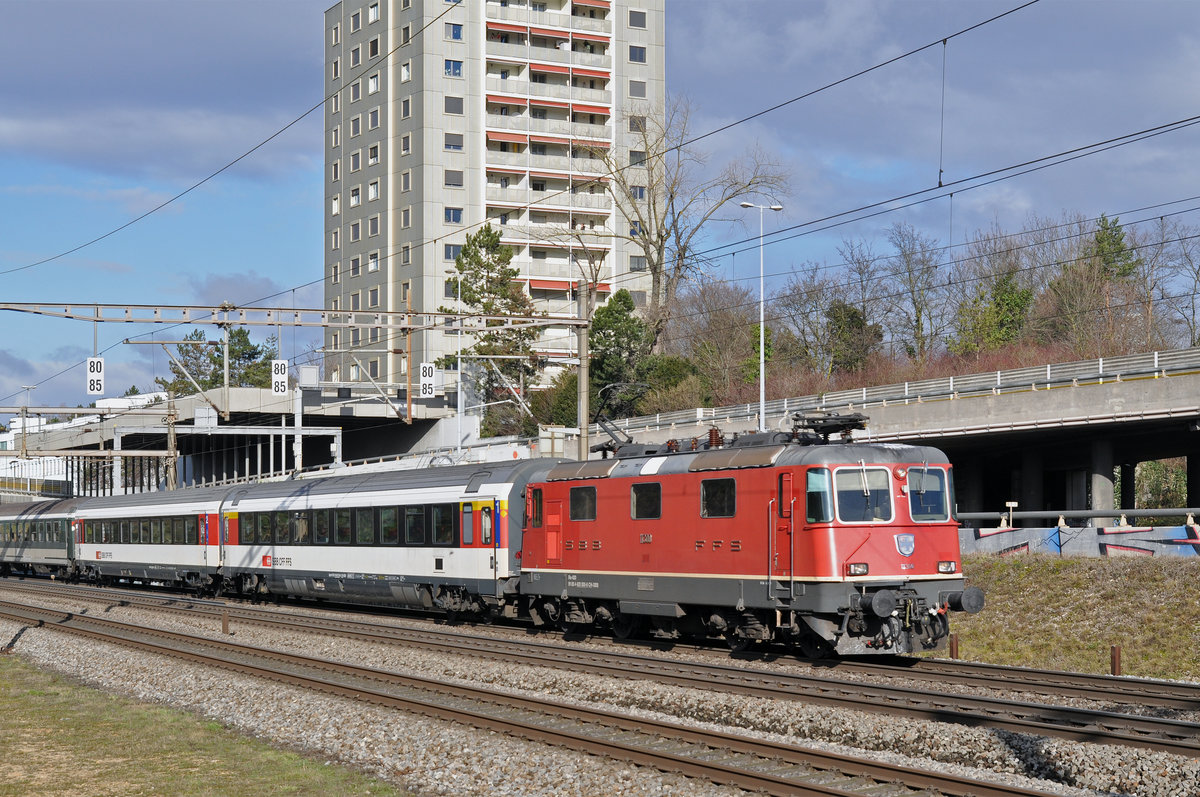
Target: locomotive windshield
point(863, 494)
point(927, 495)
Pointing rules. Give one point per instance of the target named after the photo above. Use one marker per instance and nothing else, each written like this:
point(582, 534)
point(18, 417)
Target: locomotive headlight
point(857, 568)
point(947, 567)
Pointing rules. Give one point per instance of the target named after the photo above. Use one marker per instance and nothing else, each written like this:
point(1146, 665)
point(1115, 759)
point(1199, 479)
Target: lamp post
point(762, 337)
point(458, 399)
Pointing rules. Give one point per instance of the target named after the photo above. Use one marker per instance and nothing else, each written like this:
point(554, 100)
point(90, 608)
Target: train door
point(784, 529)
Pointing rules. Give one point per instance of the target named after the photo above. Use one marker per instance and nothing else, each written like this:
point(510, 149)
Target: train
point(802, 536)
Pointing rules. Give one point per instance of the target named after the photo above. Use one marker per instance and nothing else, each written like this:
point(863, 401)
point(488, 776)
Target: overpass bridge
point(1047, 437)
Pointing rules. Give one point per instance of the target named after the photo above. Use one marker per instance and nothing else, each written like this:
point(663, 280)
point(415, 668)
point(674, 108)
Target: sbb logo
point(266, 560)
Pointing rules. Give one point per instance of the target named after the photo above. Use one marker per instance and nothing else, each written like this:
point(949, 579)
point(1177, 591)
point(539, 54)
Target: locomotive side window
point(191, 527)
point(485, 534)
point(283, 531)
point(928, 498)
point(718, 498)
point(583, 503)
point(818, 491)
point(389, 525)
point(863, 494)
point(300, 528)
point(156, 531)
point(414, 525)
point(535, 509)
point(646, 501)
point(145, 535)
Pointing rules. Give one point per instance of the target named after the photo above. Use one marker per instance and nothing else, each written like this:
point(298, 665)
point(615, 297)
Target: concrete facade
point(443, 115)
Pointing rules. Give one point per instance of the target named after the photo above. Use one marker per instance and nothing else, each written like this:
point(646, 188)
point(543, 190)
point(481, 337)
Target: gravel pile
point(431, 757)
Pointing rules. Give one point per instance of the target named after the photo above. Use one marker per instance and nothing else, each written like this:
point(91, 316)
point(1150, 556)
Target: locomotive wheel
point(625, 626)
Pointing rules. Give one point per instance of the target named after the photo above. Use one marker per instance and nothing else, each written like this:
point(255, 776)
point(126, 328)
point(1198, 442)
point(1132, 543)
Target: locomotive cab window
point(646, 501)
point(818, 492)
point(928, 496)
point(583, 503)
point(535, 508)
point(863, 494)
point(718, 498)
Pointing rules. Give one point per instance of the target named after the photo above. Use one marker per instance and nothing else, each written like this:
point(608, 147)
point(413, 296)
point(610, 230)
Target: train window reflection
point(819, 496)
point(718, 498)
point(646, 501)
point(389, 525)
point(863, 495)
point(414, 525)
point(321, 526)
point(443, 524)
point(927, 495)
point(583, 503)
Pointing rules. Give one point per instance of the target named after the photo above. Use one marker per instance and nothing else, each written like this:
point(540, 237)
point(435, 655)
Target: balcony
point(559, 127)
point(549, 55)
point(551, 91)
point(556, 19)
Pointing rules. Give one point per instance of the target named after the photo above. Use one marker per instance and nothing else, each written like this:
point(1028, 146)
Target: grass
point(62, 738)
point(1064, 614)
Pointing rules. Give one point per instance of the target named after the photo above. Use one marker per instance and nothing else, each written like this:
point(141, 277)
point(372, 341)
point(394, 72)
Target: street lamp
point(458, 399)
point(762, 338)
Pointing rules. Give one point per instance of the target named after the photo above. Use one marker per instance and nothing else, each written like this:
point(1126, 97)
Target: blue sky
point(113, 106)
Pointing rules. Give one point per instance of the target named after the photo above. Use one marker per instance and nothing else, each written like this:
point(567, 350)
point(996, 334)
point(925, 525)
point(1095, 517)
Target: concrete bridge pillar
point(1032, 477)
point(1102, 479)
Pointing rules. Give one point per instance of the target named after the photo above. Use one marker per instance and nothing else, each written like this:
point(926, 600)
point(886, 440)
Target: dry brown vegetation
point(1064, 614)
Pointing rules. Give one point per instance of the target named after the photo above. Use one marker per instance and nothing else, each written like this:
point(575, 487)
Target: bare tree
point(917, 319)
point(801, 307)
point(668, 191)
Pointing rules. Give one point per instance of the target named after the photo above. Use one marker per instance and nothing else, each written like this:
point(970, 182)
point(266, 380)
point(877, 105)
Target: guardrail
point(1095, 371)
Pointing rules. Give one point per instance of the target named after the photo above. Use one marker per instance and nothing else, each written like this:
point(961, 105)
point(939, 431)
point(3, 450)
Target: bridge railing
point(1013, 380)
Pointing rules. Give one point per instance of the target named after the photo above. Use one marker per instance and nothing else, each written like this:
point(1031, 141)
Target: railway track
point(725, 758)
point(1085, 725)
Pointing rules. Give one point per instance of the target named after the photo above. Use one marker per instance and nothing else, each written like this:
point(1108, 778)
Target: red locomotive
point(836, 547)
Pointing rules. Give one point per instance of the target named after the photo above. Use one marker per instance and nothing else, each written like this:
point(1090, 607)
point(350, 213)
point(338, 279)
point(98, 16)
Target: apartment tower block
point(445, 114)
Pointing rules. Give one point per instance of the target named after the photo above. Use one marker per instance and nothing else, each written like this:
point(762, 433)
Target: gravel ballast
point(432, 757)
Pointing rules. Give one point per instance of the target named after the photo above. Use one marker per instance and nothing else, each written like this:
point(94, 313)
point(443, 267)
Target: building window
point(355, 197)
point(454, 105)
point(406, 217)
point(454, 141)
point(373, 190)
point(372, 84)
point(405, 35)
point(405, 144)
point(355, 90)
point(335, 170)
point(454, 178)
point(355, 161)
point(405, 255)
point(335, 303)
point(405, 181)
point(537, 185)
point(637, 124)
point(637, 54)
point(355, 230)
point(335, 239)
point(637, 191)
point(454, 215)
point(449, 291)
point(374, 334)
point(637, 262)
point(637, 157)
point(373, 369)
point(537, 149)
point(373, 301)
point(373, 119)
point(356, 56)
point(335, 137)
point(354, 261)
point(354, 373)
point(335, 35)
point(453, 68)
point(406, 71)
point(637, 19)
point(454, 31)
point(355, 301)
point(405, 107)
point(373, 12)
point(355, 21)
point(373, 48)
point(335, 273)
point(534, 113)
point(335, 68)
point(373, 155)
point(335, 103)
point(538, 254)
point(335, 206)
point(355, 126)
point(452, 251)
point(373, 226)
point(373, 261)
point(335, 342)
